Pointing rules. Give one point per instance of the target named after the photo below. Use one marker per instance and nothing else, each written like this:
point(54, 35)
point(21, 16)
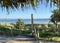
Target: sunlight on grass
point(53, 38)
point(56, 38)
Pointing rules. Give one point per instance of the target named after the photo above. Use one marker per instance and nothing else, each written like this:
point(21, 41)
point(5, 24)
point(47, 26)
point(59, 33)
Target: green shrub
point(26, 32)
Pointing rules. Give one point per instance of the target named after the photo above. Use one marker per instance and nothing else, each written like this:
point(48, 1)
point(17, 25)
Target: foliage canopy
point(16, 3)
point(55, 17)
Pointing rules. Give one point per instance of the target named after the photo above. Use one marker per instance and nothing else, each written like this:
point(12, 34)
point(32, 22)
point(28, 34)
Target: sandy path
point(17, 40)
point(13, 41)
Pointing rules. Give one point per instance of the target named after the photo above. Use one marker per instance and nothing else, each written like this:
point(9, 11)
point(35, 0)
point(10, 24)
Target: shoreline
point(31, 23)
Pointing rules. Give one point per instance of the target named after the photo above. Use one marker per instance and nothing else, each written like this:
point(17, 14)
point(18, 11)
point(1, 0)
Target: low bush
point(49, 34)
point(26, 32)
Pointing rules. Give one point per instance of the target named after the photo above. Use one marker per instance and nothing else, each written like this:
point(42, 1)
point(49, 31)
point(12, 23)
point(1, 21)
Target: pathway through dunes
point(13, 41)
point(17, 40)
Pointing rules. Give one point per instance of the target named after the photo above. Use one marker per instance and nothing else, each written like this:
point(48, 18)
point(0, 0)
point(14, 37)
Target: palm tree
point(16, 3)
point(55, 17)
point(22, 3)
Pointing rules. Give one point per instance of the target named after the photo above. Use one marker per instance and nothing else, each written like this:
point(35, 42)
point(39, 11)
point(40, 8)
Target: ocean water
point(26, 21)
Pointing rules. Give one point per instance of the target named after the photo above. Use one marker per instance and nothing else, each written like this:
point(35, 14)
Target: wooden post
point(32, 25)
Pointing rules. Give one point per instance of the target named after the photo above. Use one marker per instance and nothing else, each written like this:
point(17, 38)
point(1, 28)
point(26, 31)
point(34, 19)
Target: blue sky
point(40, 12)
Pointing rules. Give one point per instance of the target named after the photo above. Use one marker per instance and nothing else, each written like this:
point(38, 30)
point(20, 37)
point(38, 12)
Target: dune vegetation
point(46, 31)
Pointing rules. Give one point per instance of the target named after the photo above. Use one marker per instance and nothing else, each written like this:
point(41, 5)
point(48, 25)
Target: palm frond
point(16, 3)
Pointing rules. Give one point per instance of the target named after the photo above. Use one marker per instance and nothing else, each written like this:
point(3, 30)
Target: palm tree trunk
point(59, 7)
point(38, 33)
point(20, 30)
point(56, 27)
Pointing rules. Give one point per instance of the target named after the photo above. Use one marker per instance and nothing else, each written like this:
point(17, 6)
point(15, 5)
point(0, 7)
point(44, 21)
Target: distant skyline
point(40, 12)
